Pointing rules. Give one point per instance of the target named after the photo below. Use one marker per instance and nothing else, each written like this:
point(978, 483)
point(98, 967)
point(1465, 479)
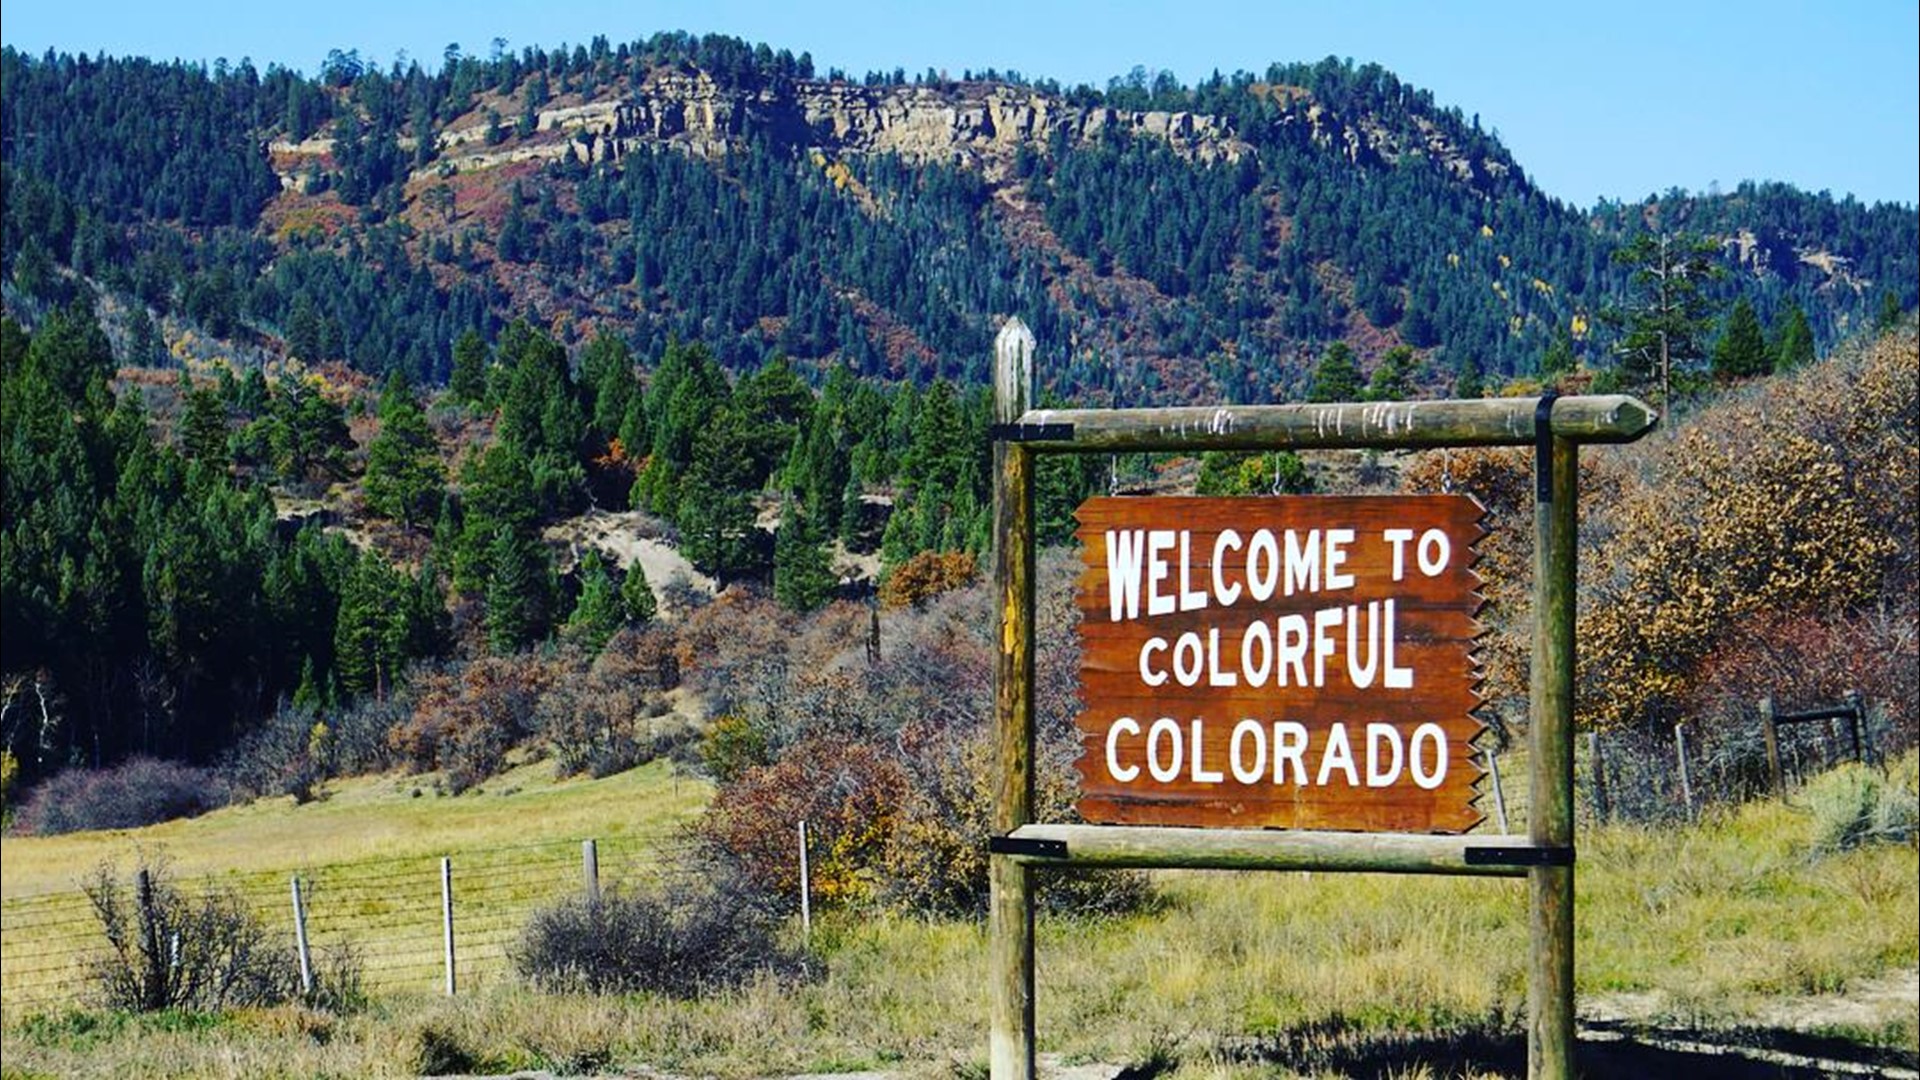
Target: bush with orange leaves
point(1783, 514)
point(925, 576)
point(467, 716)
point(847, 792)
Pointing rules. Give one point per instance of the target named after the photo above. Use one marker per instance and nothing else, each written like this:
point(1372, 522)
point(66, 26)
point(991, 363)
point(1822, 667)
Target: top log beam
point(1610, 418)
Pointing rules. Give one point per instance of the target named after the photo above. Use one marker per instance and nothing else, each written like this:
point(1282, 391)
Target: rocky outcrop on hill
point(973, 124)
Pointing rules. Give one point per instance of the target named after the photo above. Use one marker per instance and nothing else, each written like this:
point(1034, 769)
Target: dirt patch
point(626, 537)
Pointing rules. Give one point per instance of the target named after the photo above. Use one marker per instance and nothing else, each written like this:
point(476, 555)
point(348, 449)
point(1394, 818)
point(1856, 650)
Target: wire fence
point(391, 912)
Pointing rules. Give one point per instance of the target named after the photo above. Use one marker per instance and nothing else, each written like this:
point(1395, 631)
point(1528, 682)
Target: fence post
point(806, 885)
point(1772, 735)
point(446, 915)
point(153, 992)
point(300, 938)
point(1499, 796)
point(1686, 782)
point(1859, 721)
point(590, 869)
point(1599, 766)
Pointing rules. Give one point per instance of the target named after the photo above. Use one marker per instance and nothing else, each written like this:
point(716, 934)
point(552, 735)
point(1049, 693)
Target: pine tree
point(1890, 311)
point(1467, 381)
point(467, 384)
point(519, 604)
point(802, 574)
point(203, 430)
point(404, 479)
point(1335, 378)
point(1665, 322)
point(1559, 359)
point(1792, 340)
point(1393, 378)
point(600, 609)
point(1741, 351)
point(636, 595)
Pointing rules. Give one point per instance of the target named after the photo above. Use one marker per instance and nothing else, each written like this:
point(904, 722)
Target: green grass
point(1737, 920)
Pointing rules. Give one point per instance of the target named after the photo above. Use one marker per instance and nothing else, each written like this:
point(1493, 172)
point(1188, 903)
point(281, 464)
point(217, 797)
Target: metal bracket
point(1543, 446)
point(1482, 855)
point(1015, 845)
point(1030, 432)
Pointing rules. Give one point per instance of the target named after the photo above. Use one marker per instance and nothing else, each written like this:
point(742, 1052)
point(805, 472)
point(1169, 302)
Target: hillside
point(1166, 242)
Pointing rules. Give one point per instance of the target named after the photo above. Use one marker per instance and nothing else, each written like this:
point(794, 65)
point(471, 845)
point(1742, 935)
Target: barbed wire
point(389, 908)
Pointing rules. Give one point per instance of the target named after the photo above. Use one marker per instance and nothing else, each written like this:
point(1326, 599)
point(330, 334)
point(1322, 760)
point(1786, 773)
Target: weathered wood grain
point(1432, 634)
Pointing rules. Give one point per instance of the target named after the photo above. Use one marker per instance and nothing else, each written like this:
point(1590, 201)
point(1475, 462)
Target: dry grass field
point(1740, 921)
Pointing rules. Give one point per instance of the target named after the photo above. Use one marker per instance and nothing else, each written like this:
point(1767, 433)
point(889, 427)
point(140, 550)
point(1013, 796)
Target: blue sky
point(1615, 100)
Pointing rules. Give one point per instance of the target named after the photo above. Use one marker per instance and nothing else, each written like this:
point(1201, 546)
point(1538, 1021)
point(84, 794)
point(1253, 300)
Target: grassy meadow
point(1737, 921)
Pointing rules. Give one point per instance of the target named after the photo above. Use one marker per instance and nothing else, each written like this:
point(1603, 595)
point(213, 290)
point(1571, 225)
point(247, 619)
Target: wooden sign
point(1294, 662)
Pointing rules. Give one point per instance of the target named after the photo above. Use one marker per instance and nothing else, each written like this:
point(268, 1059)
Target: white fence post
point(806, 887)
point(446, 915)
point(300, 938)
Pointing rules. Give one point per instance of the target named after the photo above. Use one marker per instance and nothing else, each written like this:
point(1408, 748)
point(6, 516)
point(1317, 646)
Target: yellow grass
point(1736, 920)
point(368, 854)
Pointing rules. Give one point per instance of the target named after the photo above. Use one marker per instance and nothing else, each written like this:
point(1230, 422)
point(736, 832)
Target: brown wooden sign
point(1294, 662)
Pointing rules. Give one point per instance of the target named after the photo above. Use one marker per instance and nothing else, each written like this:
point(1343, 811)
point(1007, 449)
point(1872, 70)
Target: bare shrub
point(603, 721)
point(139, 791)
point(683, 941)
point(168, 950)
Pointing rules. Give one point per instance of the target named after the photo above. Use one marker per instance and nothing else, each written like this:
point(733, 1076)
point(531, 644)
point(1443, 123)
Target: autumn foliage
point(1771, 537)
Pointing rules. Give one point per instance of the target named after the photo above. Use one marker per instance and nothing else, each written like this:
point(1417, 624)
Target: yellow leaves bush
point(1796, 498)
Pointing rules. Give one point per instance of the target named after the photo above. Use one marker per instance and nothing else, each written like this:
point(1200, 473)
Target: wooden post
point(1686, 781)
point(1550, 818)
point(1499, 796)
point(1598, 766)
point(300, 938)
point(153, 991)
point(1010, 912)
point(806, 886)
point(446, 916)
point(1772, 735)
point(1858, 722)
point(590, 869)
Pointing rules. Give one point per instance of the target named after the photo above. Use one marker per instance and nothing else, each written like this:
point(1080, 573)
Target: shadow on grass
point(1342, 1048)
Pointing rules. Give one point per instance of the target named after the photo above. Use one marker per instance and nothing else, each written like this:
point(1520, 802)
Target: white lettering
point(1159, 542)
point(1337, 541)
point(1124, 774)
point(1148, 675)
point(1397, 678)
point(1261, 583)
point(1423, 777)
point(1363, 676)
point(1292, 630)
point(1221, 592)
point(1171, 770)
point(1324, 621)
point(1303, 562)
point(1290, 745)
point(1377, 736)
point(1202, 774)
point(1257, 674)
point(1216, 677)
point(1187, 660)
point(1124, 552)
point(1243, 772)
point(1191, 599)
point(1337, 755)
point(1398, 538)
point(1436, 539)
